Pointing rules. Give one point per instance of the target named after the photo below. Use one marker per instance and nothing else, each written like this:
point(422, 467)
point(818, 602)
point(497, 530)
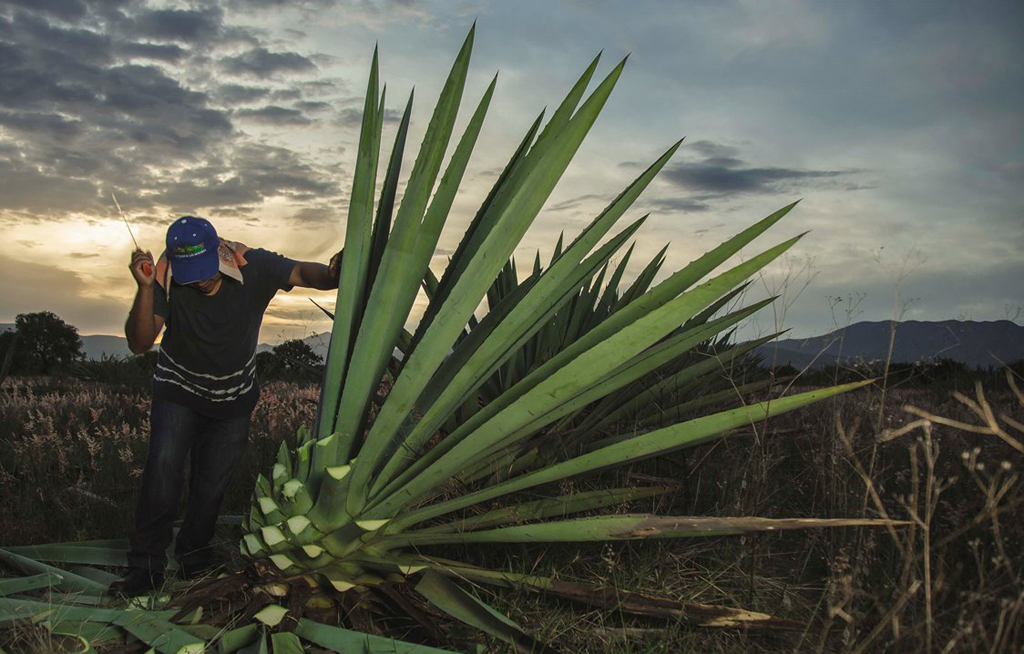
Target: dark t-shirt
point(207, 355)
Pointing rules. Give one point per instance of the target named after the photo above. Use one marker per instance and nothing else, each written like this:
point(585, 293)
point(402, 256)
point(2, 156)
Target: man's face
point(206, 285)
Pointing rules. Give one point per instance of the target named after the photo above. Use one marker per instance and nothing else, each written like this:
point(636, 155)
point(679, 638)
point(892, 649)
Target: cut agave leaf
point(345, 641)
point(463, 606)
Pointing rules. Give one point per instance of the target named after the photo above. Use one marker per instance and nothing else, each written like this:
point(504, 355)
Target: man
point(210, 294)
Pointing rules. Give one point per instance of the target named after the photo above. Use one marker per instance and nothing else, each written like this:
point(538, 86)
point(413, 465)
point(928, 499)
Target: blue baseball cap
point(192, 244)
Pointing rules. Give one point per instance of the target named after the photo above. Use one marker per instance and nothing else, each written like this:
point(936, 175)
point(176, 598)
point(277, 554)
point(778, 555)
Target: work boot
point(138, 580)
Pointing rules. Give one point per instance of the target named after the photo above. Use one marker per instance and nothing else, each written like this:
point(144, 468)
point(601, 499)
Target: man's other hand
point(334, 268)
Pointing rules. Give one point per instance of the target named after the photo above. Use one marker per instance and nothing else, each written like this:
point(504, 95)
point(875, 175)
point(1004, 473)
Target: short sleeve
point(272, 271)
point(160, 306)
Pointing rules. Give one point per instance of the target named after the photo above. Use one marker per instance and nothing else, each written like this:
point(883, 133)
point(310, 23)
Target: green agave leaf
point(661, 441)
point(236, 639)
point(463, 606)
point(344, 641)
point(400, 273)
point(69, 582)
point(61, 553)
point(284, 642)
point(548, 508)
point(380, 433)
point(628, 527)
point(355, 264)
point(14, 585)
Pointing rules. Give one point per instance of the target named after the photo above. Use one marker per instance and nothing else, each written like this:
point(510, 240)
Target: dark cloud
point(63, 9)
point(44, 123)
point(274, 115)
point(678, 205)
point(719, 172)
point(82, 113)
point(185, 25)
point(312, 107)
point(237, 94)
point(167, 52)
point(262, 63)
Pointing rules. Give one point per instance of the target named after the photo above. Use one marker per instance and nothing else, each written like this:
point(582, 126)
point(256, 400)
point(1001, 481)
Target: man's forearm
point(140, 329)
point(318, 276)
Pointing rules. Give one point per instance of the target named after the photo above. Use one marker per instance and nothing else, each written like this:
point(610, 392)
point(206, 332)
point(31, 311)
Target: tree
point(44, 342)
point(298, 354)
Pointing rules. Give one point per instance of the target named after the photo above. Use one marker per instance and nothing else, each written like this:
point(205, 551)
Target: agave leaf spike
point(354, 265)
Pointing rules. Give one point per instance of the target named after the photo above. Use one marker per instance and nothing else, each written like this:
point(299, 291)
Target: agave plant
point(368, 487)
point(441, 456)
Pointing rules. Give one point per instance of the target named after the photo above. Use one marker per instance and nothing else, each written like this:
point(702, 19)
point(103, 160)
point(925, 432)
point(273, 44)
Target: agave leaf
point(433, 221)
point(69, 582)
point(344, 641)
point(61, 553)
point(661, 441)
point(236, 639)
point(14, 585)
point(158, 633)
point(650, 397)
point(400, 270)
point(284, 642)
point(617, 599)
point(627, 527)
point(467, 608)
point(355, 264)
point(386, 205)
point(548, 508)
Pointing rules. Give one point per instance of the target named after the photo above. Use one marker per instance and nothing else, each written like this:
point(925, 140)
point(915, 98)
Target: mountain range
point(975, 344)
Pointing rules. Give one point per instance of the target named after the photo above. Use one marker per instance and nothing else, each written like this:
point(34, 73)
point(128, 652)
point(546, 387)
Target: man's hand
point(334, 268)
point(142, 268)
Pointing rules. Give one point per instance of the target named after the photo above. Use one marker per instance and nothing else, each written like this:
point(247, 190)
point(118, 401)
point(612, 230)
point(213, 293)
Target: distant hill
point(975, 344)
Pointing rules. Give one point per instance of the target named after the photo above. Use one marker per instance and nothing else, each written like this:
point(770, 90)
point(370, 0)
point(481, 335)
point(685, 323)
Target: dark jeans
point(216, 447)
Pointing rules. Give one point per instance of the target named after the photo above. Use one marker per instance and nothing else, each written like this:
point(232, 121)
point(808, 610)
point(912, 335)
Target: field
point(71, 456)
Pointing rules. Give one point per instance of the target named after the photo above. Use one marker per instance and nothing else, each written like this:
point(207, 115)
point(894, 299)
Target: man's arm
point(309, 274)
point(142, 326)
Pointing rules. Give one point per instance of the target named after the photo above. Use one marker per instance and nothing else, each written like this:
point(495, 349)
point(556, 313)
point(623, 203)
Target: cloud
point(184, 25)
point(82, 112)
point(721, 172)
point(166, 52)
point(30, 287)
point(262, 63)
point(274, 115)
point(63, 9)
point(237, 94)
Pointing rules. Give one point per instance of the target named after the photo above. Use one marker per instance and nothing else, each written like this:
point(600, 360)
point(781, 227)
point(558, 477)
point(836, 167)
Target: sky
point(899, 126)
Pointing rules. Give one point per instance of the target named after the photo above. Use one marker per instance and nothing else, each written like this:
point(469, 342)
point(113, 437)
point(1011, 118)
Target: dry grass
point(71, 454)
